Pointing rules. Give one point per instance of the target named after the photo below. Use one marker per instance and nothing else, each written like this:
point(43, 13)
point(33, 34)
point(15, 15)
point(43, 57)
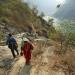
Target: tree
point(35, 10)
point(50, 21)
point(42, 14)
point(68, 30)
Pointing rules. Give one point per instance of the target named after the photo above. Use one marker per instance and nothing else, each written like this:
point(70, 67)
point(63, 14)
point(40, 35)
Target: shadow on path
point(26, 70)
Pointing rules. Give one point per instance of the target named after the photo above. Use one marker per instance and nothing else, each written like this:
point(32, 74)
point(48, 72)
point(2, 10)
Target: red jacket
point(27, 50)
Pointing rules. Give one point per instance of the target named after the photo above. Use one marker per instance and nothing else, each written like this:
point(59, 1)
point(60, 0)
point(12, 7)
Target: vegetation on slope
point(14, 12)
point(16, 15)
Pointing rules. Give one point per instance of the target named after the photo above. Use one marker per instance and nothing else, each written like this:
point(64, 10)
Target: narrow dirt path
point(17, 66)
point(40, 66)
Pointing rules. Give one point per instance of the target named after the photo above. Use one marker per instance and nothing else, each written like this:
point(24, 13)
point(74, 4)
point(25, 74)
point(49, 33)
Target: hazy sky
point(46, 6)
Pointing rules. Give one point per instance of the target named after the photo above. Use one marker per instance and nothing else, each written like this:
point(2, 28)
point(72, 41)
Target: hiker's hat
point(10, 34)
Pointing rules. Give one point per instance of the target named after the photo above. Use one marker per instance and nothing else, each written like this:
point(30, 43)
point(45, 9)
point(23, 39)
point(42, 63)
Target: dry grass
point(66, 60)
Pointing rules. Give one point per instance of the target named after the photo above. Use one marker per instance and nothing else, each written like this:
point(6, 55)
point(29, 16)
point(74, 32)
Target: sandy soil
point(41, 65)
point(42, 62)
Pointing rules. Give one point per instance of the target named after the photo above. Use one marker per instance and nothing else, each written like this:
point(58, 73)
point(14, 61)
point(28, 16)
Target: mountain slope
point(16, 16)
point(14, 12)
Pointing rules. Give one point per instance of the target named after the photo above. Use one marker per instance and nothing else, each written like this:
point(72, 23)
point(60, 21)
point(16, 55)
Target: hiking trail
point(41, 63)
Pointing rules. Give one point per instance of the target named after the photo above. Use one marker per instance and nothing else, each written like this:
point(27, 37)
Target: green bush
point(1, 35)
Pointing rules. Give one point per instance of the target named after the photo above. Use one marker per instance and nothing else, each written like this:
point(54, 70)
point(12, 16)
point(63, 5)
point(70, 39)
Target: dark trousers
point(13, 52)
point(13, 48)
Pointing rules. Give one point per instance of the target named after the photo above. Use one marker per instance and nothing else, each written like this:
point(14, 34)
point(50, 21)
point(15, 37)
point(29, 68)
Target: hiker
point(22, 43)
point(12, 44)
point(26, 49)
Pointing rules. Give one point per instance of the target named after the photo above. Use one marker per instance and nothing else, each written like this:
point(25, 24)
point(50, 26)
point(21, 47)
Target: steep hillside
point(15, 15)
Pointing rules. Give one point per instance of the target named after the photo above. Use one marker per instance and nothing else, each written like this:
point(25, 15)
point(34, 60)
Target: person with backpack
point(22, 43)
point(26, 49)
point(12, 44)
